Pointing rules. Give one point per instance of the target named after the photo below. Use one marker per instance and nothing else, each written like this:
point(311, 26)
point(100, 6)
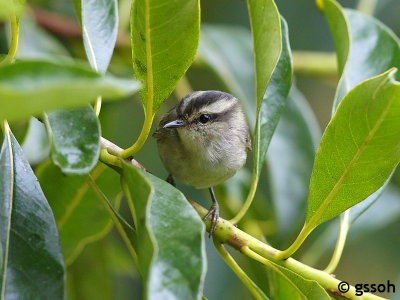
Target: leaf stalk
point(14, 21)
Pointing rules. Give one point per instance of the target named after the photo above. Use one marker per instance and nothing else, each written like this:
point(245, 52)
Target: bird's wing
point(248, 142)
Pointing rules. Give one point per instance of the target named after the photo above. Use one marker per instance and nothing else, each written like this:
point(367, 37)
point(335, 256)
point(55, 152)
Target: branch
point(67, 27)
point(317, 64)
point(110, 155)
point(227, 233)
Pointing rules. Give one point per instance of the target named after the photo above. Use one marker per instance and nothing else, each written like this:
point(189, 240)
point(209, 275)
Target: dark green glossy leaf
point(273, 102)
point(165, 36)
point(359, 149)
point(80, 215)
point(290, 160)
point(220, 47)
point(32, 265)
point(99, 20)
point(164, 220)
point(36, 143)
point(266, 30)
point(75, 139)
point(365, 47)
point(30, 87)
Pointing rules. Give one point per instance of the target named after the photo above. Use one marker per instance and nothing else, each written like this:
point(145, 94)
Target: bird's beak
point(175, 124)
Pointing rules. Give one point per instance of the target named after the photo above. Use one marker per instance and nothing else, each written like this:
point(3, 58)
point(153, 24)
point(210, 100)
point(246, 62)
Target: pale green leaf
point(267, 40)
point(273, 102)
point(164, 36)
point(99, 21)
point(365, 47)
point(31, 87)
point(359, 149)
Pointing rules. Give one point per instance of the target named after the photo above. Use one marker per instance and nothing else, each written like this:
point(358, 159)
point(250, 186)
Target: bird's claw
point(214, 213)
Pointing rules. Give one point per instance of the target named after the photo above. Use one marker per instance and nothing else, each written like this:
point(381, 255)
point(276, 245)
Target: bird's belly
point(203, 176)
point(203, 173)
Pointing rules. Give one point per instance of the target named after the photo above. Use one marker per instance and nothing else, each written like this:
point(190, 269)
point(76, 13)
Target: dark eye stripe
point(218, 117)
point(201, 101)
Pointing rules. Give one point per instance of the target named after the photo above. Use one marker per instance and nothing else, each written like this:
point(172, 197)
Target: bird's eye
point(204, 118)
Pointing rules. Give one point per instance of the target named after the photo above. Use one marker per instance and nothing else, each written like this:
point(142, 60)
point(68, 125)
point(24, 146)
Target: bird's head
point(206, 116)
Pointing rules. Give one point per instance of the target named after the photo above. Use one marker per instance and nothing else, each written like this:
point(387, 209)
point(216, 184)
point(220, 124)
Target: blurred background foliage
point(104, 269)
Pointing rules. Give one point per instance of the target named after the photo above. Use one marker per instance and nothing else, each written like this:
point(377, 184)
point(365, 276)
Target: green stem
point(305, 231)
point(109, 159)
point(255, 174)
point(110, 154)
point(249, 200)
point(228, 233)
point(12, 51)
point(97, 106)
point(148, 121)
point(250, 253)
point(149, 113)
point(253, 288)
point(367, 6)
point(337, 253)
point(317, 64)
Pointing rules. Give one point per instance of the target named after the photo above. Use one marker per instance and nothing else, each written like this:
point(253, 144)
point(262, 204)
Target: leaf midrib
point(149, 61)
point(313, 221)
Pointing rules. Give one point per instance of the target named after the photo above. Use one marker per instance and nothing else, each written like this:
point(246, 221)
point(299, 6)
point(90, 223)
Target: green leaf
point(228, 51)
point(290, 160)
point(290, 285)
point(99, 284)
point(81, 217)
point(164, 220)
point(359, 149)
point(273, 101)
point(99, 20)
point(384, 212)
point(36, 43)
point(125, 230)
point(266, 30)
point(164, 36)
point(30, 87)
point(365, 47)
point(32, 265)
point(75, 139)
point(36, 143)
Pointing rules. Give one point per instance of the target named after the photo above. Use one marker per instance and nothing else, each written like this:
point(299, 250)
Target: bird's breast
point(202, 164)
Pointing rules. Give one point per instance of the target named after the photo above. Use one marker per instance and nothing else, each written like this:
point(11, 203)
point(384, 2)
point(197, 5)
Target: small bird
point(203, 141)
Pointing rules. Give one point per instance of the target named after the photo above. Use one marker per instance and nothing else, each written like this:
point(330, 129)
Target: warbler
point(203, 141)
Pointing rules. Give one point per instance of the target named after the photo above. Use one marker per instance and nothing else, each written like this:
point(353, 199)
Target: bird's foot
point(214, 214)
point(170, 180)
